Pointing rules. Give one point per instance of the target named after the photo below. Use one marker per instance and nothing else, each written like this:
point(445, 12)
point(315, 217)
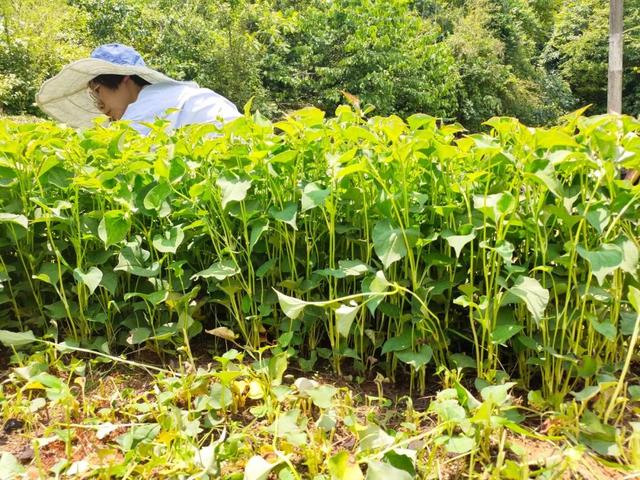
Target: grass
point(230, 417)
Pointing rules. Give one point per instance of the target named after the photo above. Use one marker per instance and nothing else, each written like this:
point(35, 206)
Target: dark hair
point(112, 81)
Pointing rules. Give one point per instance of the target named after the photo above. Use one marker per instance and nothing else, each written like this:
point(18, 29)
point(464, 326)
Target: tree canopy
point(459, 59)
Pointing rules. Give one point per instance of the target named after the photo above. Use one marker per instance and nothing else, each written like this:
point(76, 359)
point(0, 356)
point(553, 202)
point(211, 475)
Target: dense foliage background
point(460, 59)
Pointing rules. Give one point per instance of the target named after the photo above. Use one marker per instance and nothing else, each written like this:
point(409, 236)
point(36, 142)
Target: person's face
point(112, 102)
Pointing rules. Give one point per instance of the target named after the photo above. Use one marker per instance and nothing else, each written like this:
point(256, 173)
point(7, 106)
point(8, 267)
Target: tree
point(37, 39)
point(378, 50)
point(614, 88)
point(578, 51)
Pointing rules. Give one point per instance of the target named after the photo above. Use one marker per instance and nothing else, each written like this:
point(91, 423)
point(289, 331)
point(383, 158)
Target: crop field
point(325, 298)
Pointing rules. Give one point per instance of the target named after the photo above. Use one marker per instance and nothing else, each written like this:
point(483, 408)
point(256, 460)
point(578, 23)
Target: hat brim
point(65, 97)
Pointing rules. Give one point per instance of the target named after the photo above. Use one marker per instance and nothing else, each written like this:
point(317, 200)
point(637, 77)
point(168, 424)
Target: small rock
point(25, 455)
point(12, 425)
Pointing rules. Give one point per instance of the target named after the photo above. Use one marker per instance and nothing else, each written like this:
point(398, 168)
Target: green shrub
point(357, 238)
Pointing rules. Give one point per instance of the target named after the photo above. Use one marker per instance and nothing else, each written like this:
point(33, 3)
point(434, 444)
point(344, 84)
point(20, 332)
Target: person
point(116, 82)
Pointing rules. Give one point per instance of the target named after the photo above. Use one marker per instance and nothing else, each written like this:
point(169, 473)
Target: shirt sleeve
point(206, 106)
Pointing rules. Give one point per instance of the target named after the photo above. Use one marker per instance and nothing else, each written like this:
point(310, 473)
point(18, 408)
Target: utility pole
point(614, 88)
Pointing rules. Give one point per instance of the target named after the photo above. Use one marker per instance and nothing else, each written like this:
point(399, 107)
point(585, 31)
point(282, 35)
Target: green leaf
point(234, 188)
point(353, 268)
point(606, 329)
point(138, 335)
point(384, 471)
point(388, 243)
point(630, 255)
point(257, 468)
point(277, 367)
point(458, 242)
point(287, 215)
point(598, 218)
point(460, 360)
point(284, 157)
point(374, 284)
point(292, 307)
point(398, 343)
point(91, 279)
point(265, 268)
point(460, 444)
point(496, 394)
point(503, 248)
point(16, 339)
point(49, 274)
point(154, 298)
point(155, 198)
point(258, 227)
point(494, 206)
point(221, 396)
point(532, 294)
point(138, 434)
point(548, 176)
point(169, 241)
point(587, 393)
point(342, 466)
point(132, 259)
point(416, 359)
point(345, 314)
point(322, 395)
point(504, 332)
point(634, 298)
point(219, 270)
point(603, 260)
point(286, 425)
point(113, 227)
point(373, 438)
point(15, 219)
point(10, 468)
point(313, 196)
point(402, 459)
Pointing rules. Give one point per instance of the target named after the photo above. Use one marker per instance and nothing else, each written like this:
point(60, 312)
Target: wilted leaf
point(342, 466)
point(223, 332)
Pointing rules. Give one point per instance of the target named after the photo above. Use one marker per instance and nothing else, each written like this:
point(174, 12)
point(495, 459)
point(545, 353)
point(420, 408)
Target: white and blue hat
point(66, 98)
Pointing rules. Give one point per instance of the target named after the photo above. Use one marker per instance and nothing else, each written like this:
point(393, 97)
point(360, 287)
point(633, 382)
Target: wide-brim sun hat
point(66, 97)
